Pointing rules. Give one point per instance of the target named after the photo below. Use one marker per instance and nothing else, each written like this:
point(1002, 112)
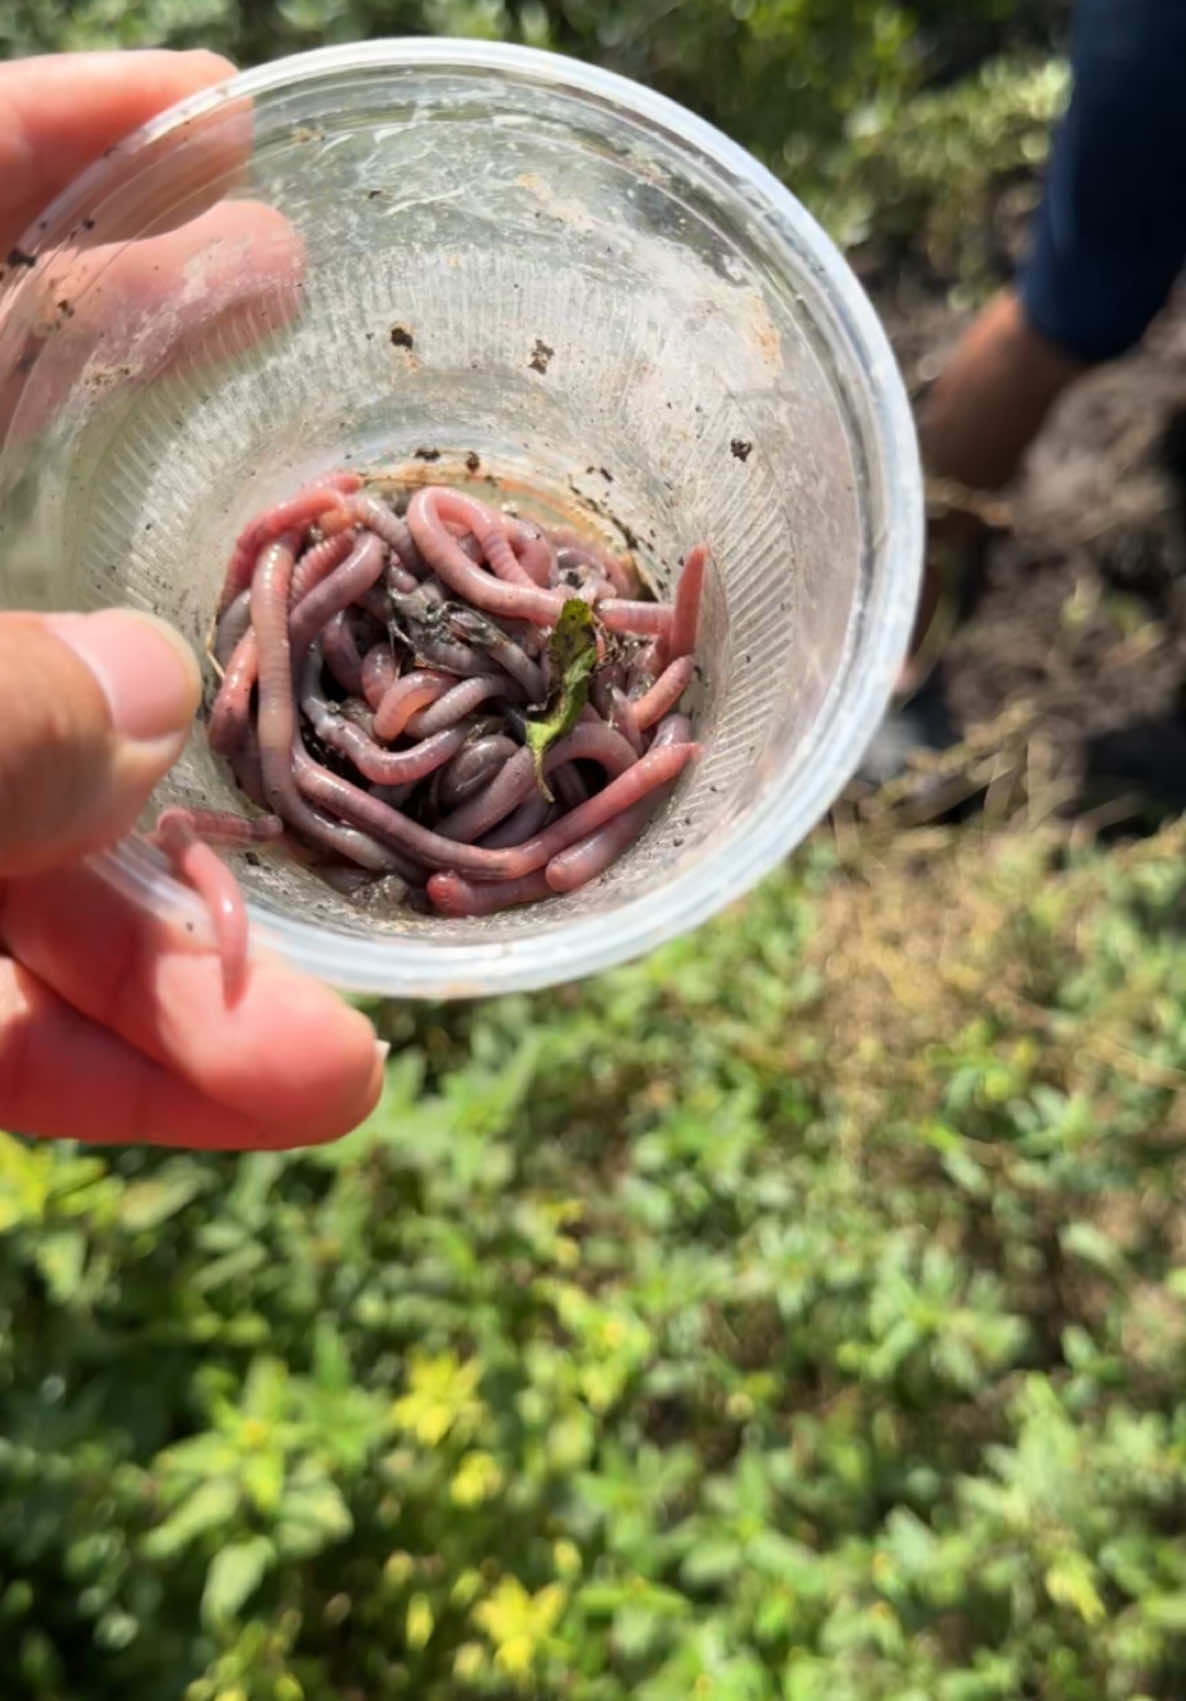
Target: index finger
point(289, 1053)
point(61, 111)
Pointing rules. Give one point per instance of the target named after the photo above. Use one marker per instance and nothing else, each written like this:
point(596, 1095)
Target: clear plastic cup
point(471, 250)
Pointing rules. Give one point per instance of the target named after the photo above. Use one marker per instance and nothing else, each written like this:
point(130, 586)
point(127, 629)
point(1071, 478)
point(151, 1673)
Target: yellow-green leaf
point(572, 650)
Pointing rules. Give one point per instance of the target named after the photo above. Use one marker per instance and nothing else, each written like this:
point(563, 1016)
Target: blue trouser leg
point(1110, 237)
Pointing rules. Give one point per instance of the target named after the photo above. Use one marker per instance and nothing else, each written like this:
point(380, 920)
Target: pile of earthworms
point(381, 664)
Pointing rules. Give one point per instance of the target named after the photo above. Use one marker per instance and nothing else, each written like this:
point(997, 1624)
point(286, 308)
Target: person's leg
point(1109, 242)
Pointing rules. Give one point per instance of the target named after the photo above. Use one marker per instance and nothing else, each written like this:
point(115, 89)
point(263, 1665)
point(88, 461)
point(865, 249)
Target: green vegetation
point(799, 1315)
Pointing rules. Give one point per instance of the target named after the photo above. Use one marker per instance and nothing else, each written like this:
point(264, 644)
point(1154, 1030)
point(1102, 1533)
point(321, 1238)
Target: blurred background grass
point(798, 1315)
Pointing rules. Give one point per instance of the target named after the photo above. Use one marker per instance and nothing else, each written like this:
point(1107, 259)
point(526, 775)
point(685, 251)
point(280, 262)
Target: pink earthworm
point(453, 895)
point(458, 702)
point(404, 696)
point(592, 855)
point(186, 837)
point(244, 764)
point(459, 659)
point(330, 634)
point(381, 767)
point(299, 510)
point(427, 513)
point(399, 579)
point(657, 768)
point(385, 767)
point(672, 729)
point(279, 735)
point(231, 628)
point(474, 764)
point(356, 574)
point(373, 513)
point(625, 718)
point(517, 779)
point(510, 563)
point(520, 824)
point(686, 614)
point(333, 793)
point(665, 693)
point(230, 712)
point(378, 674)
point(647, 619)
point(316, 562)
point(341, 654)
point(534, 553)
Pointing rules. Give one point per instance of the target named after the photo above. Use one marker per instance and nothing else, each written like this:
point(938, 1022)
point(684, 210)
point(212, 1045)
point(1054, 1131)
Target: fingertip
point(207, 66)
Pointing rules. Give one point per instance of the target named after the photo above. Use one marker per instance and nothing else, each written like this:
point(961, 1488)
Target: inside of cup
point(493, 267)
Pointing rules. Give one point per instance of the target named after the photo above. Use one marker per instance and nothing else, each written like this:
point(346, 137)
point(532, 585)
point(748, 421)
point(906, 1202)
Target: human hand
point(112, 1026)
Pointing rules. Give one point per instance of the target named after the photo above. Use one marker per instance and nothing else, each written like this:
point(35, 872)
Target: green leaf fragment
point(234, 1574)
point(572, 649)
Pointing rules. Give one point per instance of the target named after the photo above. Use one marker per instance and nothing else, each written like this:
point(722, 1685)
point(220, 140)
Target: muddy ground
point(1078, 630)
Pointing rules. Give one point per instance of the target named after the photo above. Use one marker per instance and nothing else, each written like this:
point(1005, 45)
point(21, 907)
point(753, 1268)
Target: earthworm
point(595, 744)
point(229, 714)
point(625, 718)
point(344, 585)
point(379, 518)
point(686, 614)
point(592, 855)
point(186, 837)
point(460, 701)
point(314, 563)
point(400, 701)
point(244, 764)
point(299, 510)
point(378, 674)
point(657, 768)
point(665, 693)
point(231, 628)
point(474, 764)
point(382, 767)
point(520, 824)
point(427, 512)
point(279, 736)
point(649, 619)
point(455, 896)
point(340, 796)
point(533, 551)
point(460, 659)
point(419, 652)
point(341, 654)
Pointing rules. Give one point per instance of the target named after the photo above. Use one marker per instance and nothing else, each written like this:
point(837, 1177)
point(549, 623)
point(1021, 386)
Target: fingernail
point(145, 669)
point(382, 1048)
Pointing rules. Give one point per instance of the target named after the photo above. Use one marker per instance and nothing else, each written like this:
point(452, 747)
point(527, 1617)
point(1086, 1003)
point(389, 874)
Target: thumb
point(93, 709)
